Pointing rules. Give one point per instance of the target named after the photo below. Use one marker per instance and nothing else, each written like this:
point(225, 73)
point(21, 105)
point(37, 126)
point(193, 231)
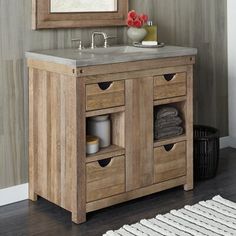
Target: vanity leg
point(188, 186)
point(33, 196)
point(79, 218)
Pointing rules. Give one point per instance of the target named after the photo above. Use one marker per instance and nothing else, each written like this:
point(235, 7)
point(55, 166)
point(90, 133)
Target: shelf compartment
point(117, 146)
point(104, 153)
point(180, 105)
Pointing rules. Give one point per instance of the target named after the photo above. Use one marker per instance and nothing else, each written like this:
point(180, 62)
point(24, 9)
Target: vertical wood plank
point(189, 130)
point(32, 161)
point(42, 180)
point(78, 163)
point(139, 133)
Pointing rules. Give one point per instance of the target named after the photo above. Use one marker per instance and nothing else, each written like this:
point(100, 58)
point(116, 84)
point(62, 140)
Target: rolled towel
point(166, 111)
point(169, 132)
point(167, 122)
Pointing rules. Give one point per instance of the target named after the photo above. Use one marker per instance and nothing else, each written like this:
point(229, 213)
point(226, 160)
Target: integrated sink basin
point(110, 55)
point(117, 50)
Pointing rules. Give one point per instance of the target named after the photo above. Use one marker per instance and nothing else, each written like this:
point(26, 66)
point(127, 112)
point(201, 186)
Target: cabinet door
point(139, 133)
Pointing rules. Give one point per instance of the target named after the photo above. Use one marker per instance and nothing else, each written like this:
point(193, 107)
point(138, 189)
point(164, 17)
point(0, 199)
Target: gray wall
point(197, 23)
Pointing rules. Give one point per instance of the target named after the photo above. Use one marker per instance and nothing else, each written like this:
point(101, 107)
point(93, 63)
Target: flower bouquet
point(135, 22)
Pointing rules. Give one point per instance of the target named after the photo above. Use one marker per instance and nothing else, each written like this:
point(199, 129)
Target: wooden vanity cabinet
point(62, 98)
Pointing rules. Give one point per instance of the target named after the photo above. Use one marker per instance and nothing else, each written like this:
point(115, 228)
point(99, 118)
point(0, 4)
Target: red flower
point(132, 14)
point(130, 22)
point(144, 18)
point(138, 23)
point(135, 20)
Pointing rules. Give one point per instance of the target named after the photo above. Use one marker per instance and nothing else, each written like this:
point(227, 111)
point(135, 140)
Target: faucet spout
point(94, 34)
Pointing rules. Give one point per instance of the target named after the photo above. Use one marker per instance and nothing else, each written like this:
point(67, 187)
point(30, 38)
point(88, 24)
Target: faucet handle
point(106, 40)
point(111, 37)
point(80, 42)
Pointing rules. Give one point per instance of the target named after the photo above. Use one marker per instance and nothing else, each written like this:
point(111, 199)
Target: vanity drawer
point(170, 85)
point(105, 178)
point(105, 95)
point(169, 161)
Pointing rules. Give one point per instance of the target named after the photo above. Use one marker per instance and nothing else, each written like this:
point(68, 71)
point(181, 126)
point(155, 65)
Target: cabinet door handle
point(169, 77)
point(169, 147)
point(105, 85)
point(105, 162)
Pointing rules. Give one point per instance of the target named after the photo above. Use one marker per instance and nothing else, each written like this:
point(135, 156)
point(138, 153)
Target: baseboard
point(224, 142)
point(227, 142)
point(232, 142)
point(13, 194)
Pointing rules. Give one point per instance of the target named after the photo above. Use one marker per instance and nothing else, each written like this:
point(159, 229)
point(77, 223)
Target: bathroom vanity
point(67, 86)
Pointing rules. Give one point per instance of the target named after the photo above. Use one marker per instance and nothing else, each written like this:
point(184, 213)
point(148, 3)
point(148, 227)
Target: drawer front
point(105, 178)
point(170, 85)
point(169, 162)
point(105, 95)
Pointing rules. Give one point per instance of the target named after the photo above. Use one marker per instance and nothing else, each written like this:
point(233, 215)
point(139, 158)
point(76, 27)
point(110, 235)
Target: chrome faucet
point(105, 37)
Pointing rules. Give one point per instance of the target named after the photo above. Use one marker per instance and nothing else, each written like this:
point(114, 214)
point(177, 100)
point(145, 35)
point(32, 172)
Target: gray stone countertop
point(101, 56)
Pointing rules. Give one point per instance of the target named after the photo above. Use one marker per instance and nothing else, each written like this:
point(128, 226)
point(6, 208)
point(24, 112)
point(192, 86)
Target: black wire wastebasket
point(206, 152)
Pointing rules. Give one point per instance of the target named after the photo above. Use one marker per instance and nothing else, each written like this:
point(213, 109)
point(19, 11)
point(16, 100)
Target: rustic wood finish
point(111, 151)
point(134, 165)
point(168, 89)
point(169, 164)
point(163, 142)
point(79, 168)
point(103, 182)
point(189, 129)
point(52, 147)
point(106, 202)
point(139, 133)
point(113, 96)
point(42, 18)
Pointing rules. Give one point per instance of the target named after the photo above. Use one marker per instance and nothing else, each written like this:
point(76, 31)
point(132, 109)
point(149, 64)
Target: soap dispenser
point(151, 32)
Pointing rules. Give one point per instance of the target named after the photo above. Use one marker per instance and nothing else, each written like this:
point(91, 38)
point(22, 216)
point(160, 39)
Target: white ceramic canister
point(92, 144)
point(100, 126)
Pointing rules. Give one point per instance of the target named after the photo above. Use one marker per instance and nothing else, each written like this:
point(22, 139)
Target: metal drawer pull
point(105, 162)
point(169, 77)
point(169, 147)
point(105, 85)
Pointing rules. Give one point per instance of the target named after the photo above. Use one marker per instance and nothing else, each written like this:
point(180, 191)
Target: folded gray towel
point(167, 122)
point(166, 111)
point(168, 132)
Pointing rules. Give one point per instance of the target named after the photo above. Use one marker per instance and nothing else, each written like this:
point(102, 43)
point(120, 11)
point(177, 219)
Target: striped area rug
point(213, 217)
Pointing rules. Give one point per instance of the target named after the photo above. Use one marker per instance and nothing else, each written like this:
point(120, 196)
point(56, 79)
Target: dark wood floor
point(44, 218)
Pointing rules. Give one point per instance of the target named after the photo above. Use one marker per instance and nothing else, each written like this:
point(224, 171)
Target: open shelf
point(180, 104)
point(117, 119)
point(104, 153)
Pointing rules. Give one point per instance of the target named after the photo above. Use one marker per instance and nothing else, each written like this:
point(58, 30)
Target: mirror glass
point(68, 6)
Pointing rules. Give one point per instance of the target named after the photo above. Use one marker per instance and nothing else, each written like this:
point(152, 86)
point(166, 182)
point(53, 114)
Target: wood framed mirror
point(78, 13)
